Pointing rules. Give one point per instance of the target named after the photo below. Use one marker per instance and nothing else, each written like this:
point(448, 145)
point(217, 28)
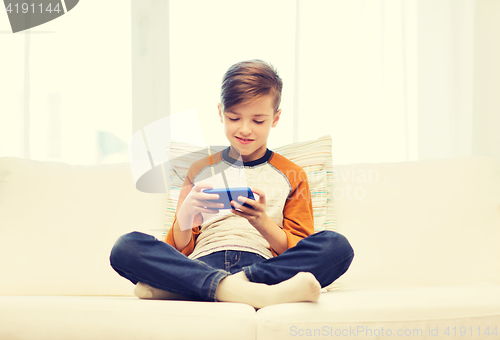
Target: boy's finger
point(259, 195)
point(211, 197)
point(200, 186)
point(239, 212)
point(236, 205)
point(205, 196)
point(240, 207)
point(246, 200)
point(236, 212)
point(209, 211)
point(211, 204)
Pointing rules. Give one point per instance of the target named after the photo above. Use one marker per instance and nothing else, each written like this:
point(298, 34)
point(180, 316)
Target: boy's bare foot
point(237, 288)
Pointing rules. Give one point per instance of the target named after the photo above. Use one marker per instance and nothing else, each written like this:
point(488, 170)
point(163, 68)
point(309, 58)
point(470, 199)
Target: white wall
point(486, 124)
point(355, 62)
point(445, 78)
point(150, 61)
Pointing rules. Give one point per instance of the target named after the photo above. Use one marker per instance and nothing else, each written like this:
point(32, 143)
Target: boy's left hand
point(257, 214)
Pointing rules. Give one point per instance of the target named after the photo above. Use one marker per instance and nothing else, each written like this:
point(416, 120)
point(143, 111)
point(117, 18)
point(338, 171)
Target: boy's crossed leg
point(237, 288)
point(327, 255)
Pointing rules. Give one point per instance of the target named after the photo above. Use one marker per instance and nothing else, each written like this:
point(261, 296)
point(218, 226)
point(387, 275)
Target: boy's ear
point(276, 118)
point(220, 113)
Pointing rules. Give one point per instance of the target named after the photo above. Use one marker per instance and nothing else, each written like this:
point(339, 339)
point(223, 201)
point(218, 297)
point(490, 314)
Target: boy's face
point(247, 127)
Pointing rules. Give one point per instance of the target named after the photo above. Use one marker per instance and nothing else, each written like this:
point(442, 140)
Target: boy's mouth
point(244, 140)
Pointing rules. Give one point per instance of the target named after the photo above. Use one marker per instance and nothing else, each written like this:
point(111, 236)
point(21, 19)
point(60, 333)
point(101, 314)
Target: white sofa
point(426, 237)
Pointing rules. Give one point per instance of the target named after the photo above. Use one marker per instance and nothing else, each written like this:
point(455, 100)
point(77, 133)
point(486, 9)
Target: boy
point(261, 254)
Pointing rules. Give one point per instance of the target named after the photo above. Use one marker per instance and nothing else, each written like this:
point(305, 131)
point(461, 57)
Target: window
point(66, 86)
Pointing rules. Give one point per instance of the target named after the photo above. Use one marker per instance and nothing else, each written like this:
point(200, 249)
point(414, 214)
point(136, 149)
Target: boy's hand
point(195, 202)
point(199, 202)
point(258, 218)
point(257, 214)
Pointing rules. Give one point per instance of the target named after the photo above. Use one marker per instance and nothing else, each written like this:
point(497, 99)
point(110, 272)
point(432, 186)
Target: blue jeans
point(141, 257)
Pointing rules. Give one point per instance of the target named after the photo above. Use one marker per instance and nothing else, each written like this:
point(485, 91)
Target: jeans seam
point(249, 273)
point(226, 261)
point(233, 264)
point(215, 282)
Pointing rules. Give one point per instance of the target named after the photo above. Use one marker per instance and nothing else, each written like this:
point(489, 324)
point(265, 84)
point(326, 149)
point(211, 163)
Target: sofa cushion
point(407, 312)
point(124, 318)
point(420, 223)
point(58, 223)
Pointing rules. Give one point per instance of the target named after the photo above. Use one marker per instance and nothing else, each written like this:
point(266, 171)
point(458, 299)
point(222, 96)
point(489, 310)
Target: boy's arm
point(298, 220)
point(184, 240)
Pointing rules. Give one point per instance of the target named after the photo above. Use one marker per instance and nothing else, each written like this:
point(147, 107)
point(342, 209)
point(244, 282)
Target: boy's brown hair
point(249, 80)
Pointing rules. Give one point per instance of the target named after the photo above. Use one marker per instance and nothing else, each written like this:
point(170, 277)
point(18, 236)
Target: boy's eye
point(233, 119)
point(259, 122)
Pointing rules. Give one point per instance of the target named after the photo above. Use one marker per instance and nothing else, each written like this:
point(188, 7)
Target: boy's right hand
point(199, 202)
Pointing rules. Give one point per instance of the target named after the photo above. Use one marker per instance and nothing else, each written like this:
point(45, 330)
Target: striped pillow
point(315, 157)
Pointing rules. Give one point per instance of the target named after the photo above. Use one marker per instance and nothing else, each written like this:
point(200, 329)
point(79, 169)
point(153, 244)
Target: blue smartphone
point(226, 195)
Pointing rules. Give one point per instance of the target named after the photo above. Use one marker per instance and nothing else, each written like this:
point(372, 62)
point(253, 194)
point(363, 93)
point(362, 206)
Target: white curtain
point(66, 86)
point(356, 64)
point(389, 80)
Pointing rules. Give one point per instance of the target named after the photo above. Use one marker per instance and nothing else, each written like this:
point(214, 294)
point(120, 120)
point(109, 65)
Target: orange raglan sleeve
point(298, 221)
point(197, 221)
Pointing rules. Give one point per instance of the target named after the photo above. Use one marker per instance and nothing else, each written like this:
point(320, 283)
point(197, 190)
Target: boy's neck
point(234, 154)
point(259, 153)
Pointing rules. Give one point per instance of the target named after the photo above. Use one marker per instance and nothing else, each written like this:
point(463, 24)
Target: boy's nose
point(245, 129)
